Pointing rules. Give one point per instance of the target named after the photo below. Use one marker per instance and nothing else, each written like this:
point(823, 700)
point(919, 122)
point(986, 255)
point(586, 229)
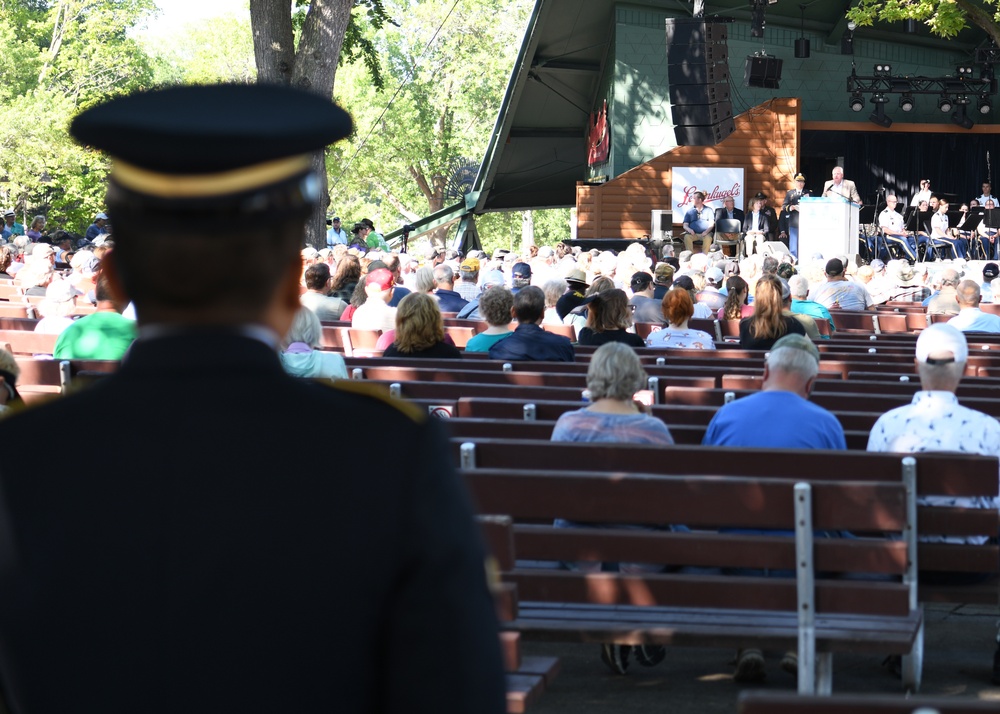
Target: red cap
point(381, 277)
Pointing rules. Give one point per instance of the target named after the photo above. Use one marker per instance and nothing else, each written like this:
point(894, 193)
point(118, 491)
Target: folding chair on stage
point(728, 227)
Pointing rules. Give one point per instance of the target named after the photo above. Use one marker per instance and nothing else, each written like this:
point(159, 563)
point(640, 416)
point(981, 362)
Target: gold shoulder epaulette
point(380, 392)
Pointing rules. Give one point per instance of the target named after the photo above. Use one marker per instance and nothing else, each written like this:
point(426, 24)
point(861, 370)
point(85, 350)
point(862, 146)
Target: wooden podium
point(828, 226)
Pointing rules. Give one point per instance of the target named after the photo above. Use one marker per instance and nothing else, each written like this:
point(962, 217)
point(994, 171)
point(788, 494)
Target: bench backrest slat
point(707, 591)
point(835, 555)
point(937, 473)
point(696, 501)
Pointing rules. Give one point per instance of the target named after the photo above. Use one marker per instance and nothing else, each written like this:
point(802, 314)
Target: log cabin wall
point(765, 143)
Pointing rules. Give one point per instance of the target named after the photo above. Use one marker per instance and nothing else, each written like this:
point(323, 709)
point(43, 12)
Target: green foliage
point(219, 49)
point(368, 16)
point(61, 56)
point(503, 230)
point(449, 65)
point(46, 172)
point(90, 56)
point(945, 18)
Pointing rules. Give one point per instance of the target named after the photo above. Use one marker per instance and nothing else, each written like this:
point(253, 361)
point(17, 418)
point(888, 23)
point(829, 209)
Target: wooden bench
point(23, 311)
point(786, 703)
point(815, 615)
point(527, 677)
point(23, 342)
point(937, 473)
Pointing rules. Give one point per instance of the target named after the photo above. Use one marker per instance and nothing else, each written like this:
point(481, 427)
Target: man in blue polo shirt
point(779, 416)
point(699, 223)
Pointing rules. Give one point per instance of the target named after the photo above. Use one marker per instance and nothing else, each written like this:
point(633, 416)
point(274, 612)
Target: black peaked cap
point(204, 129)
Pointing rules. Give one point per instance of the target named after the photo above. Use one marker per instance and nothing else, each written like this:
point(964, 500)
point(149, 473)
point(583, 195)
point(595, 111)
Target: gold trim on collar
point(160, 185)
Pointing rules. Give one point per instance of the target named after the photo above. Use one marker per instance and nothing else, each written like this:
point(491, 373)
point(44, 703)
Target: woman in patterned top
point(678, 309)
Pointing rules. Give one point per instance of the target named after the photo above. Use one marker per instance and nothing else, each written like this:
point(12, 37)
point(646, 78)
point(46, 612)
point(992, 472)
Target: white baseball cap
point(941, 342)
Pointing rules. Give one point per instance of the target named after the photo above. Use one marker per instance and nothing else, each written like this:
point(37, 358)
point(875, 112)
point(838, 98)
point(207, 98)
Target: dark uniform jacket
point(790, 219)
point(221, 546)
point(531, 342)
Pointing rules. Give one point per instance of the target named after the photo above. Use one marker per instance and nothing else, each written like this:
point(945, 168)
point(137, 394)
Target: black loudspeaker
point(698, 78)
point(762, 72)
point(694, 72)
point(693, 31)
point(705, 134)
point(699, 93)
point(693, 114)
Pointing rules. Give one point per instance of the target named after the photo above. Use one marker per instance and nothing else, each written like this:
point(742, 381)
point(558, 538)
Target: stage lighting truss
point(953, 91)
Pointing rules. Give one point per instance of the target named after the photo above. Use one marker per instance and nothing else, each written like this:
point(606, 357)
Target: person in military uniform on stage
point(220, 551)
point(789, 222)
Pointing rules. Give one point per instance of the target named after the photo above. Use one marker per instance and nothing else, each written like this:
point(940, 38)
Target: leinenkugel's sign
point(717, 183)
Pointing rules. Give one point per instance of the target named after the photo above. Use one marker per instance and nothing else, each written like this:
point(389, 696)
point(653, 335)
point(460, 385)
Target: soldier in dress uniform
point(213, 554)
point(789, 223)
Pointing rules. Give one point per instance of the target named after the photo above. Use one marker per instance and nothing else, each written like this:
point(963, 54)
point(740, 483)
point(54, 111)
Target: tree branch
point(396, 203)
point(979, 17)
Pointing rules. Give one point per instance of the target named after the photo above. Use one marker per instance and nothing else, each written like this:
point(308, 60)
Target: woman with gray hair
point(553, 289)
point(299, 355)
point(614, 375)
point(424, 281)
point(35, 229)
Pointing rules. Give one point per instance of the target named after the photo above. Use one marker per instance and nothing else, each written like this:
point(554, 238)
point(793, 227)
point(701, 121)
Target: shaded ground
point(958, 660)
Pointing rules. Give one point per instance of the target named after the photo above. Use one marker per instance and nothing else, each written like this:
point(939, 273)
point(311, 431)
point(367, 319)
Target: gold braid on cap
point(226, 183)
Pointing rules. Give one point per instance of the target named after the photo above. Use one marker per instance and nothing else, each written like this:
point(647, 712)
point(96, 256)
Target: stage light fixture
point(882, 70)
point(944, 103)
point(878, 116)
point(906, 102)
point(985, 106)
point(857, 102)
point(964, 71)
point(847, 39)
point(961, 118)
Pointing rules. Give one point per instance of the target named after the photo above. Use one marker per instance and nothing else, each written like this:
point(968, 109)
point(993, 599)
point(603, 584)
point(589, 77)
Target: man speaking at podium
point(841, 187)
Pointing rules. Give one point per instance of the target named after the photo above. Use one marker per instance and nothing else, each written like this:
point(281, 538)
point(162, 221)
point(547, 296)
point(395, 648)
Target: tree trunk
point(527, 230)
point(982, 18)
point(312, 67)
point(273, 44)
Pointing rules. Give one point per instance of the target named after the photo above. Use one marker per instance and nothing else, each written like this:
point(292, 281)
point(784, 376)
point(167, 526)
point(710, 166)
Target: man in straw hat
point(198, 567)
